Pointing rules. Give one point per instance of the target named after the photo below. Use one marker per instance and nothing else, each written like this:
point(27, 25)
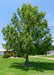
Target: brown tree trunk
point(27, 62)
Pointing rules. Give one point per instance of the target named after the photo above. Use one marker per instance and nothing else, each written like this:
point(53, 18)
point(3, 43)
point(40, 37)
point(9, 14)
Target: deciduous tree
point(28, 31)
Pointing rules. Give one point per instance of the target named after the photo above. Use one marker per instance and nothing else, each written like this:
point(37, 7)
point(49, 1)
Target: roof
point(51, 51)
point(2, 50)
point(5, 50)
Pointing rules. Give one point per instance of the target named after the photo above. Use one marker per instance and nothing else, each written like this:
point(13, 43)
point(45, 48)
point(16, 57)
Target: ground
point(40, 66)
point(45, 57)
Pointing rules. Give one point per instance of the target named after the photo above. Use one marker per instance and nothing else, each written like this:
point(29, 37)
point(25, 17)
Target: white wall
point(1, 52)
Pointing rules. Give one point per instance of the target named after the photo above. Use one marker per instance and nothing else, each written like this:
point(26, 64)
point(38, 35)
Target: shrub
point(7, 55)
point(11, 54)
point(15, 55)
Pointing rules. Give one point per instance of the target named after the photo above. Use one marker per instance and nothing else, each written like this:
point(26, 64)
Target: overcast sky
point(7, 7)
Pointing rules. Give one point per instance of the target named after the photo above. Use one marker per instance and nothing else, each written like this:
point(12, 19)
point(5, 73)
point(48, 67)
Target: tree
point(28, 32)
point(52, 47)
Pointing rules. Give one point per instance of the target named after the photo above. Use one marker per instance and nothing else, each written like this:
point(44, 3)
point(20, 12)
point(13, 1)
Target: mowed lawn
point(50, 56)
point(40, 66)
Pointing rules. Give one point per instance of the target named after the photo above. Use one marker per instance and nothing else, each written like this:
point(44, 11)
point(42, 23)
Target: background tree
point(52, 47)
point(28, 32)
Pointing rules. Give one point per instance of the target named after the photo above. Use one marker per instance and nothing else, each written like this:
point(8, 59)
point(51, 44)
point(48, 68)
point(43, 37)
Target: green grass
point(50, 56)
point(39, 66)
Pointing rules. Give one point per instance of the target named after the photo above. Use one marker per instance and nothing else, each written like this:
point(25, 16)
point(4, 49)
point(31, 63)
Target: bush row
point(7, 55)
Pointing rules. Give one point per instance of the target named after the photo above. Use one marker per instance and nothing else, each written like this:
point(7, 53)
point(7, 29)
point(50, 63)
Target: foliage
point(7, 55)
point(28, 33)
point(52, 47)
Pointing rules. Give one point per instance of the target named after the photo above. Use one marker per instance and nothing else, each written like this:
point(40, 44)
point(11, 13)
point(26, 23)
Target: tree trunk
point(26, 63)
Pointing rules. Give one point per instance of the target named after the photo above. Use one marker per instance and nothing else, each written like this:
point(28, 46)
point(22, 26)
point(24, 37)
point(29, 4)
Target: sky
point(8, 7)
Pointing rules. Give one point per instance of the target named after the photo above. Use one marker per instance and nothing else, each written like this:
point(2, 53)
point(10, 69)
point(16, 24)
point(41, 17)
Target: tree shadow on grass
point(37, 66)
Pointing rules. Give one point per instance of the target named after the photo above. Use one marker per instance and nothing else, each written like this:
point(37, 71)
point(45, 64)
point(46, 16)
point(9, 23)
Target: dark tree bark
point(27, 61)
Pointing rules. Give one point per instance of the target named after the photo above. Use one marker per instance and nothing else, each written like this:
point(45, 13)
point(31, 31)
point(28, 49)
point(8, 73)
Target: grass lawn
point(40, 66)
point(50, 56)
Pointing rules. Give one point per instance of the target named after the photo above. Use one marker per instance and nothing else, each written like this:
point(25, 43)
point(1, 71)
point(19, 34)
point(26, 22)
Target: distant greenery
point(7, 55)
point(52, 47)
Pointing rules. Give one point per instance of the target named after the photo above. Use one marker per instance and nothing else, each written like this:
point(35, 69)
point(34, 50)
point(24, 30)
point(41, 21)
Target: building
point(2, 51)
point(51, 52)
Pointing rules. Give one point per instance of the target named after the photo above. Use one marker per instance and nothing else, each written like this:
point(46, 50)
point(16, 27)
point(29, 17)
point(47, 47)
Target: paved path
point(43, 57)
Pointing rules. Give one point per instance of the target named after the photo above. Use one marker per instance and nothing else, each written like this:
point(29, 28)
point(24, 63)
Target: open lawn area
point(40, 66)
point(50, 56)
